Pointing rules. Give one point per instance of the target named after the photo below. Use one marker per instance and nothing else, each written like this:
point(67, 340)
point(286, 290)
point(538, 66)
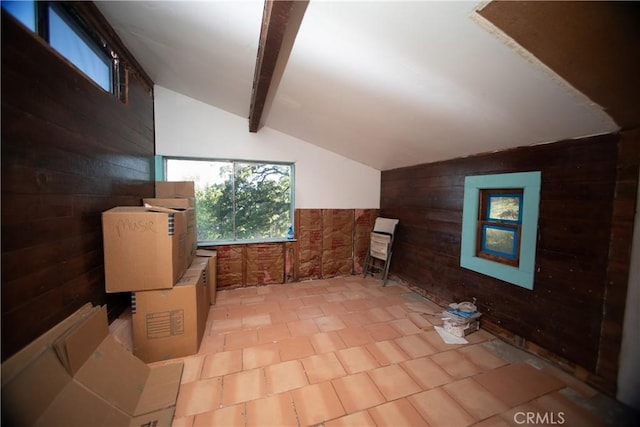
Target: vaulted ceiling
point(392, 84)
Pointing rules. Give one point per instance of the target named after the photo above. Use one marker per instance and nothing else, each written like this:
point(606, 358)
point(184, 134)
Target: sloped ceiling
point(387, 84)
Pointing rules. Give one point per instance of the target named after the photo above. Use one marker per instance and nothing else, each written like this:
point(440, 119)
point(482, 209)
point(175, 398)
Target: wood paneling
point(583, 249)
point(69, 152)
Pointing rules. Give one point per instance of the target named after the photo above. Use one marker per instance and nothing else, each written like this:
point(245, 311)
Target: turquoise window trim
point(530, 183)
point(159, 163)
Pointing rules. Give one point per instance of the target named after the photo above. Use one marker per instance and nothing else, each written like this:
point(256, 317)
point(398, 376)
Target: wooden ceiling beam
point(280, 23)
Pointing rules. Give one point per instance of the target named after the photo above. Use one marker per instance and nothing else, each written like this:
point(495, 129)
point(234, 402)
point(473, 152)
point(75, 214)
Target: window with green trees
point(238, 200)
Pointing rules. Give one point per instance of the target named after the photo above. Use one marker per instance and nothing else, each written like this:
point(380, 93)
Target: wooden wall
point(583, 248)
point(69, 152)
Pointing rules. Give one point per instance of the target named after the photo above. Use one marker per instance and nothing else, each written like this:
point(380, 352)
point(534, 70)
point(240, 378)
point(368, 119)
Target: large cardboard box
point(170, 323)
point(76, 374)
point(189, 206)
point(143, 249)
point(173, 189)
point(212, 257)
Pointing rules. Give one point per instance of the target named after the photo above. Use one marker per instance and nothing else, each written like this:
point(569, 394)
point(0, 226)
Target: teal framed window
point(499, 226)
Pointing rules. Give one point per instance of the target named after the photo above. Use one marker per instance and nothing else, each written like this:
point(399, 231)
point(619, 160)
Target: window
point(500, 225)
point(238, 200)
point(66, 32)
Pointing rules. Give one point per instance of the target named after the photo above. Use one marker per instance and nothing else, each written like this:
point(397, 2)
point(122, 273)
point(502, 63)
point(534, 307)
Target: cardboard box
point(76, 374)
point(143, 249)
point(173, 189)
point(212, 281)
point(189, 206)
point(170, 323)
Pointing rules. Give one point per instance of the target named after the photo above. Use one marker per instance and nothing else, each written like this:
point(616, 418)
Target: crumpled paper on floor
point(449, 338)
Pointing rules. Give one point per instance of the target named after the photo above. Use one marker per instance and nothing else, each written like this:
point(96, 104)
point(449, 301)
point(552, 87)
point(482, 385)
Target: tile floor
point(349, 352)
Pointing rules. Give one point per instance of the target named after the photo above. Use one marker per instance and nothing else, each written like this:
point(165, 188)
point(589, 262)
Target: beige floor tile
point(330, 308)
point(283, 316)
point(419, 320)
point(253, 300)
point(303, 328)
point(479, 337)
point(405, 327)
point(243, 387)
point(211, 344)
point(273, 333)
point(291, 303)
point(398, 311)
point(382, 331)
point(228, 416)
point(426, 372)
point(285, 376)
point(242, 339)
point(198, 396)
point(260, 355)
point(222, 363)
point(322, 367)
point(226, 325)
point(266, 307)
point(519, 383)
point(415, 346)
point(356, 319)
point(239, 311)
point(335, 296)
point(329, 323)
point(354, 336)
point(387, 352)
point(315, 298)
point(357, 359)
point(399, 413)
point(325, 342)
point(295, 348)
point(475, 399)
point(357, 392)
point(272, 411)
point(309, 312)
point(359, 419)
point(482, 357)
point(439, 409)
point(182, 421)
point(455, 364)
point(317, 403)
point(393, 382)
point(255, 321)
point(379, 314)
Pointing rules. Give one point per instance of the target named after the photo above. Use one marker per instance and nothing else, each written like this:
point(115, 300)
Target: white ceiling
point(387, 84)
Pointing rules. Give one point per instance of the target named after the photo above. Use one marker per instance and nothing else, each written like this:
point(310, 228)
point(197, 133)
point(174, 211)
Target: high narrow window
point(238, 200)
point(62, 27)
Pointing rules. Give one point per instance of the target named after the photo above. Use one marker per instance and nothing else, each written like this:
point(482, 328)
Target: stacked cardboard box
point(76, 374)
point(150, 251)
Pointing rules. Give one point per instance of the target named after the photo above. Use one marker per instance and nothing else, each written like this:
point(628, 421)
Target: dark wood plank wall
point(564, 312)
point(69, 152)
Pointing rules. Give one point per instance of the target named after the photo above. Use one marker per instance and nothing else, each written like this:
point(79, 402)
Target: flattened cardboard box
point(143, 249)
point(76, 374)
point(170, 323)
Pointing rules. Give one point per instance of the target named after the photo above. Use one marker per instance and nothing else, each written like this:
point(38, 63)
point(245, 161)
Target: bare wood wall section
point(583, 248)
point(69, 152)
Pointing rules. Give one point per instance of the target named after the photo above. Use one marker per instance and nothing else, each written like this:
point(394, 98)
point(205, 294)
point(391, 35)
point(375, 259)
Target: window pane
point(23, 11)
point(499, 241)
point(64, 39)
point(263, 200)
point(237, 200)
point(504, 207)
point(214, 195)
